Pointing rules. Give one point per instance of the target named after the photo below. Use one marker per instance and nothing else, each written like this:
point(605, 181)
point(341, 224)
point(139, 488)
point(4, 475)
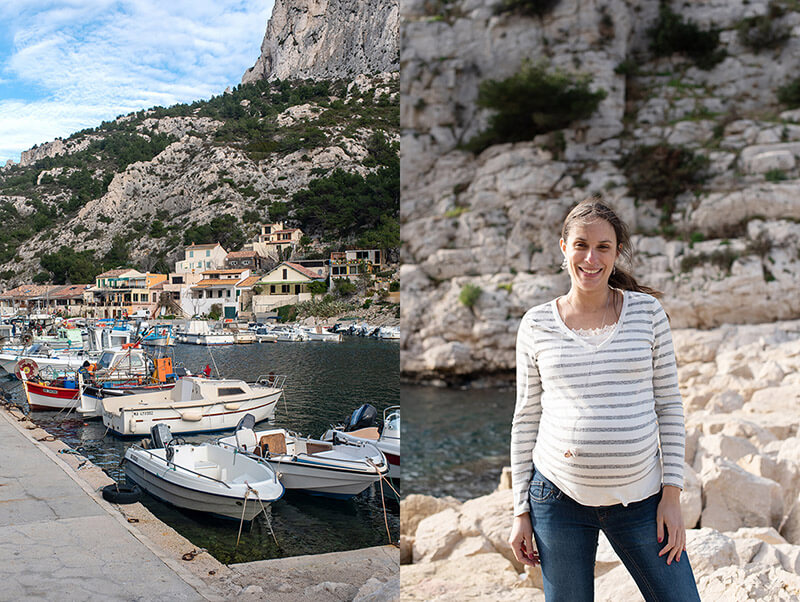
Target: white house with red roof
point(287, 284)
point(276, 241)
point(222, 287)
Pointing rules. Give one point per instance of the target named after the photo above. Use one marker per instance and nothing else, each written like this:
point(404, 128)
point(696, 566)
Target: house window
point(219, 293)
point(135, 296)
point(145, 297)
point(238, 292)
point(208, 253)
point(297, 289)
point(228, 293)
point(191, 253)
point(284, 288)
point(285, 274)
point(272, 289)
point(177, 280)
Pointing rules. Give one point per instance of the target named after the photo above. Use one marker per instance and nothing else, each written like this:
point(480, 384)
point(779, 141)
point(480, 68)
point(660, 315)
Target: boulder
point(709, 549)
point(415, 507)
point(691, 498)
point(751, 582)
point(724, 506)
point(436, 536)
point(491, 516)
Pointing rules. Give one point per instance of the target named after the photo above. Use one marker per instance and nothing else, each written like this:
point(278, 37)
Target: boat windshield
point(106, 359)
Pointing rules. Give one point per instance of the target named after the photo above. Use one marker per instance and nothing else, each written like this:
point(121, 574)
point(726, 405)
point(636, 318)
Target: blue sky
point(70, 64)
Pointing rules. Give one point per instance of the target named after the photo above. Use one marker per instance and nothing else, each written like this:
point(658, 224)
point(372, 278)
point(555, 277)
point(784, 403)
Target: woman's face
point(591, 250)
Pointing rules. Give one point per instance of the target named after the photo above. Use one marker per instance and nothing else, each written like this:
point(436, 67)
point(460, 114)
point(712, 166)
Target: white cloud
point(95, 59)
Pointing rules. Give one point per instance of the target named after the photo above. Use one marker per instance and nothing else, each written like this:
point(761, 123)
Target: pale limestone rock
point(763, 162)
point(766, 534)
point(691, 497)
point(327, 39)
point(709, 549)
point(416, 507)
point(724, 507)
point(723, 446)
point(615, 585)
point(753, 582)
point(505, 479)
point(483, 577)
point(436, 536)
point(490, 516)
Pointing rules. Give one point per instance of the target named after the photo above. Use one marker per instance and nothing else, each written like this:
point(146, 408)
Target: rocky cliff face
point(328, 39)
point(726, 253)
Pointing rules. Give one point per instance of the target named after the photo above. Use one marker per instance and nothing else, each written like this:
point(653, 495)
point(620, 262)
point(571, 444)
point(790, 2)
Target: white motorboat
point(318, 333)
point(388, 332)
point(194, 405)
point(198, 333)
point(362, 427)
point(206, 478)
point(38, 357)
point(339, 469)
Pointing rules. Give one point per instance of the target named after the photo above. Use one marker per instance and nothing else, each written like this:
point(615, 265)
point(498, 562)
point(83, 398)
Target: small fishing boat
point(339, 469)
point(205, 478)
point(318, 333)
point(194, 405)
point(362, 427)
point(198, 333)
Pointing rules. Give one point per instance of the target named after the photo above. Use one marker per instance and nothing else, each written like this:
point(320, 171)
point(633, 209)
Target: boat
point(388, 332)
point(318, 333)
point(38, 357)
point(332, 469)
point(198, 333)
point(194, 405)
point(158, 336)
point(205, 478)
point(362, 427)
point(117, 372)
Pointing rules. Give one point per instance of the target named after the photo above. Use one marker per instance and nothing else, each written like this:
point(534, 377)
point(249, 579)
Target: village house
point(287, 284)
point(42, 298)
point(198, 258)
point(247, 260)
point(124, 292)
point(218, 287)
point(349, 264)
point(275, 241)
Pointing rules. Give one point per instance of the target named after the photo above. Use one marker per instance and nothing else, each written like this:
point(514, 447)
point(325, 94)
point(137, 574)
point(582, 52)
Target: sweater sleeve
point(669, 405)
point(527, 412)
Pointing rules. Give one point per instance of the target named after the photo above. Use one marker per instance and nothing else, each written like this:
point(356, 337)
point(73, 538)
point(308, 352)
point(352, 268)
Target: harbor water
point(325, 382)
point(455, 442)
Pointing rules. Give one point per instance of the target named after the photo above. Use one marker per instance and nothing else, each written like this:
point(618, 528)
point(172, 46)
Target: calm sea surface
point(455, 442)
point(325, 383)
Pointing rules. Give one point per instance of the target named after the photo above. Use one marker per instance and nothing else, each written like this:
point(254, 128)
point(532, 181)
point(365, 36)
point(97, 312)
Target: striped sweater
point(590, 417)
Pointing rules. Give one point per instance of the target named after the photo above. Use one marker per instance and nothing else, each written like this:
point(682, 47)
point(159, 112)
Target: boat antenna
point(213, 361)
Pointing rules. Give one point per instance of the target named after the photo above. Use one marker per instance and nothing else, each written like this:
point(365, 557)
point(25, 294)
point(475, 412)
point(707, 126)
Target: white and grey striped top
point(591, 416)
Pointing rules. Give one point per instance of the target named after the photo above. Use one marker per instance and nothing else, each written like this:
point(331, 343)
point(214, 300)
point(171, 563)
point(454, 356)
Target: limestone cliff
point(726, 252)
point(330, 39)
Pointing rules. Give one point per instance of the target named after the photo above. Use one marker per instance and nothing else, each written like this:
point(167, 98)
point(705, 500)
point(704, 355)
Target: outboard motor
point(248, 421)
point(363, 417)
point(160, 435)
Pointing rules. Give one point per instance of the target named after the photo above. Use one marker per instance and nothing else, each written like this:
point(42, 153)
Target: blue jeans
point(566, 536)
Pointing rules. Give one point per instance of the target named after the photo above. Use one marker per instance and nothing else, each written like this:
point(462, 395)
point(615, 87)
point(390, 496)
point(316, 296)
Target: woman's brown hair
point(593, 208)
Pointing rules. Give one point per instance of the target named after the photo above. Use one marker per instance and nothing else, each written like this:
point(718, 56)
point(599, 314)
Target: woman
point(597, 440)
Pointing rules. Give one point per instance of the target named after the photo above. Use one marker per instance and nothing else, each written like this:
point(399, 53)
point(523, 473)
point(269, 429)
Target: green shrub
point(775, 175)
point(789, 94)
point(469, 295)
point(394, 286)
point(662, 172)
point(318, 287)
point(215, 312)
point(533, 101)
point(367, 303)
point(722, 258)
point(344, 287)
point(525, 7)
point(672, 34)
point(764, 32)
point(287, 313)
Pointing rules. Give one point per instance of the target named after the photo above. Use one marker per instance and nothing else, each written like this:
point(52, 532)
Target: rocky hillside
point(695, 143)
point(321, 154)
point(328, 39)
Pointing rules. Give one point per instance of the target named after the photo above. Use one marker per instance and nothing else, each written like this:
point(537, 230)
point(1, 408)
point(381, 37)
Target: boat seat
point(371, 432)
point(315, 448)
point(274, 444)
point(246, 439)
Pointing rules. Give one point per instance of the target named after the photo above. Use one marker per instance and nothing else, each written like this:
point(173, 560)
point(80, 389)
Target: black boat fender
point(122, 494)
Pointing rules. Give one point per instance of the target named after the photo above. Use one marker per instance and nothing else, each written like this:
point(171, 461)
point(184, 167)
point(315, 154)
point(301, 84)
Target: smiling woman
point(70, 65)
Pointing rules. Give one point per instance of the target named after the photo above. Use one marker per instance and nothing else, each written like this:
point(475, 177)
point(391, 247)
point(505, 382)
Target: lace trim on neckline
point(594, 332)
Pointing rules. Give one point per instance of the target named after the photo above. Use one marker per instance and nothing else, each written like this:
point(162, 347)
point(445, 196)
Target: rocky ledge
point(741, 502)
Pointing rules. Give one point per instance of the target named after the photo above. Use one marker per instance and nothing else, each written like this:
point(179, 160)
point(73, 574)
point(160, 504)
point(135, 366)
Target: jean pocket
point(542, 491)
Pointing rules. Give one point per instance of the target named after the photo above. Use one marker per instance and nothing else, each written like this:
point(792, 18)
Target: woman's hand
point(669, 515)
point(521, 540)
